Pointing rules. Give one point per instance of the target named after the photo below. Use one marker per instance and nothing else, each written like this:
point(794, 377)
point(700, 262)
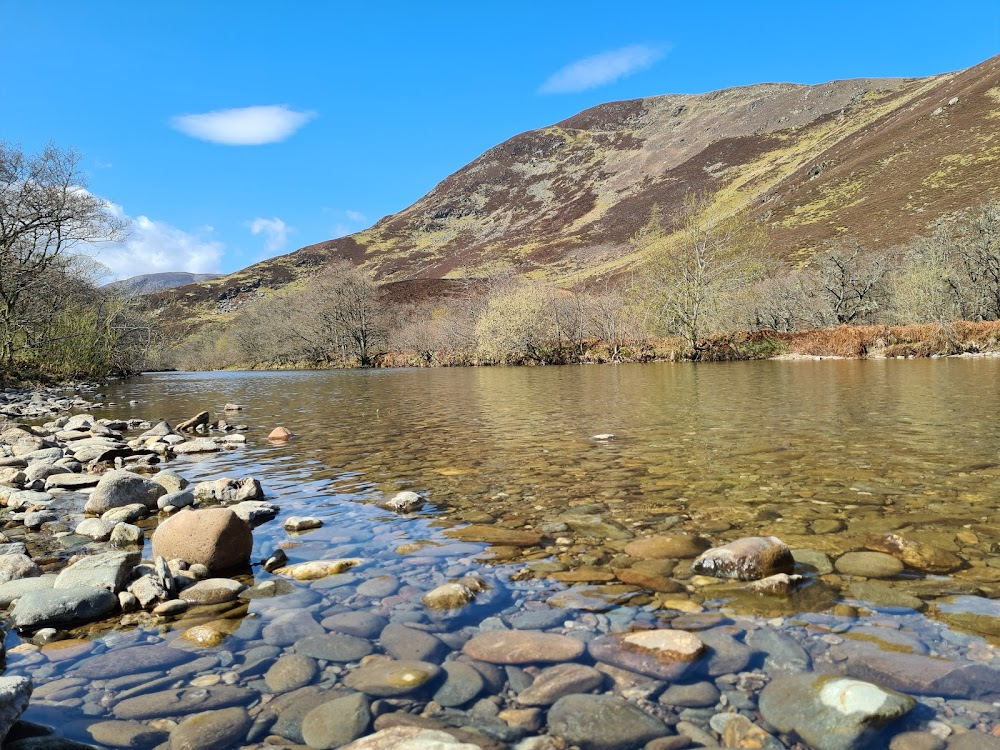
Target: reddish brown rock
point(664, 654)
point(280, 434)
point(522, 647)
point(214, 537)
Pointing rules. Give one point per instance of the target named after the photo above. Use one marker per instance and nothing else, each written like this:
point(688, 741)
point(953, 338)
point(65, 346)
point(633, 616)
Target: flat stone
point(884, 595)
point(392, 678)
point(813, 561)
point(669, 546)
point(917, 555)
point(523, 647)
point(663, 654)
point(302, 523)
point(71, 481)
point(316, 569)
point(126, 514)
point(126, 734)
point(409, 644)
point(495, 535)
point(14, 590)
point(603, 722)
point(357, 623)
point(128, 661)
point(337, 722)
point(410, 738)
point(379, 587)
point(975, 613)
point(42, 607)
point(212, 591)
point(697, 695)
point(553, 683)
point(335, 647)
point(183, 702)
point(212, 730)
point(108, 570)
point(869, 565)
point(291, 627)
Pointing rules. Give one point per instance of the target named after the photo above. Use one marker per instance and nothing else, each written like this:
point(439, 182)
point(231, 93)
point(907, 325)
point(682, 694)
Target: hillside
point(148, 283)
point(879, 159)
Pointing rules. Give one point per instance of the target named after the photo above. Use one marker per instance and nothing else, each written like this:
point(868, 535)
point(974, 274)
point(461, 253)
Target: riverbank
point(502, 620)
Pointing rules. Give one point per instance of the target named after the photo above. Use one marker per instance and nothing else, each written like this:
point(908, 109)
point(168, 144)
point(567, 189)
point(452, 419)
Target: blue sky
point(234, 131)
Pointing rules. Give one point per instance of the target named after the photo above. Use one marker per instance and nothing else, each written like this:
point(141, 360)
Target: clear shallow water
point(820, 454)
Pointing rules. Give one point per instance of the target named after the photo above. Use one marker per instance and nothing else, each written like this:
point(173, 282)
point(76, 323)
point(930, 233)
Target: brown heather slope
point(879, 159)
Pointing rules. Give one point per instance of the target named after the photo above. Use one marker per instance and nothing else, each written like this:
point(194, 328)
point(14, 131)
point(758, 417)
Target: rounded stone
point(523, 647)
point(868, 565)
point(663, 654)
point(291, 672)
point(462, 684)
point(337, 722)
point(336, 647)
point(603, 722)
point(392, 678)
point(118, 488)
point(214, 537)
point(746, 559)
point(559, 681)
point(223, 729)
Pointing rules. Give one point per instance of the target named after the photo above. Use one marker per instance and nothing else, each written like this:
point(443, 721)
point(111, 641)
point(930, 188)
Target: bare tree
point(975, 240)
point(853, 281)
point(45, 212)
point(698, 266)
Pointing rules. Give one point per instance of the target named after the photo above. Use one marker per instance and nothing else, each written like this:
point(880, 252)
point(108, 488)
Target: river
point(821, 454)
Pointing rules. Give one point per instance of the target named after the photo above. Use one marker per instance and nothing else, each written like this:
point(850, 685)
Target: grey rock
point(175, 500)
point(130, 661)
point(119, 488)
point(291, 626)
point(229, 490)
point(182, 702)
point(746, 559)
point(782, 652)
point(337, 722)
point(126, 513)
point(108, 570)
point(35, 519)
point(212, 730)
point(868, 565)
point(95, 528)
point(403, 502)
point(126, 535)
point(553, 683)
point(335, 647)
point(356, 623)
point(290, 672)
point(603, 722)
point(126, 734)
point(393, 678)
point(14, 695)
point(830, 712)
point(14, 567)
point(71, 481)
point(462, 684)
point(406, 643)
point(148, 589)
point(13, 590)
point(697, 695)
point(42, 607)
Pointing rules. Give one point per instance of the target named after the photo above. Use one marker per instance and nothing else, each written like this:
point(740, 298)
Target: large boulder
point(214, 537)
point(120, 488)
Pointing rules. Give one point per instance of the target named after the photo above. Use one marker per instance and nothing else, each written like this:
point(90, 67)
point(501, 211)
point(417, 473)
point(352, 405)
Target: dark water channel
point(822, 454)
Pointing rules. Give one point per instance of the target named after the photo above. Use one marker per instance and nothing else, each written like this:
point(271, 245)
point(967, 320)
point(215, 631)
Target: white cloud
point(355, 216)
point(158, 247)
point(247, 126)
point(607, 67)
point(275, 232)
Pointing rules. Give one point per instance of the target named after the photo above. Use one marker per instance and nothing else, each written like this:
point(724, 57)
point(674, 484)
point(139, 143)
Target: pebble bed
point(450, 625)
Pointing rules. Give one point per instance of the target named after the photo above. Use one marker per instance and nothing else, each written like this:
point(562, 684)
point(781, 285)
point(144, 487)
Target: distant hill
point(148, 283)
point(877, 159)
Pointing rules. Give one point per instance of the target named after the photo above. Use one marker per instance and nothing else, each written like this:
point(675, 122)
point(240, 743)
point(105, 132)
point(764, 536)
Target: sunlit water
point(820, 454)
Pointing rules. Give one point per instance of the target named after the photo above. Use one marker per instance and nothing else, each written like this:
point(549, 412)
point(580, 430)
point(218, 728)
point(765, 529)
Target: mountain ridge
point(878, 159)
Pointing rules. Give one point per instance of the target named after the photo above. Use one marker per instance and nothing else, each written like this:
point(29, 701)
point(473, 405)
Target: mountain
point(879, 159)
point(148, 283)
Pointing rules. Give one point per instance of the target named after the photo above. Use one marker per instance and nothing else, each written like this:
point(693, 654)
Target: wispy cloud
point(602, 69)
point(355, 216)
point(247, 126)
point(157, 247)
point(275, 232)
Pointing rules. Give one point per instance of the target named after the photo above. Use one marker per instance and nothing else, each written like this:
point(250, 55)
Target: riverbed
point(539, 482)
